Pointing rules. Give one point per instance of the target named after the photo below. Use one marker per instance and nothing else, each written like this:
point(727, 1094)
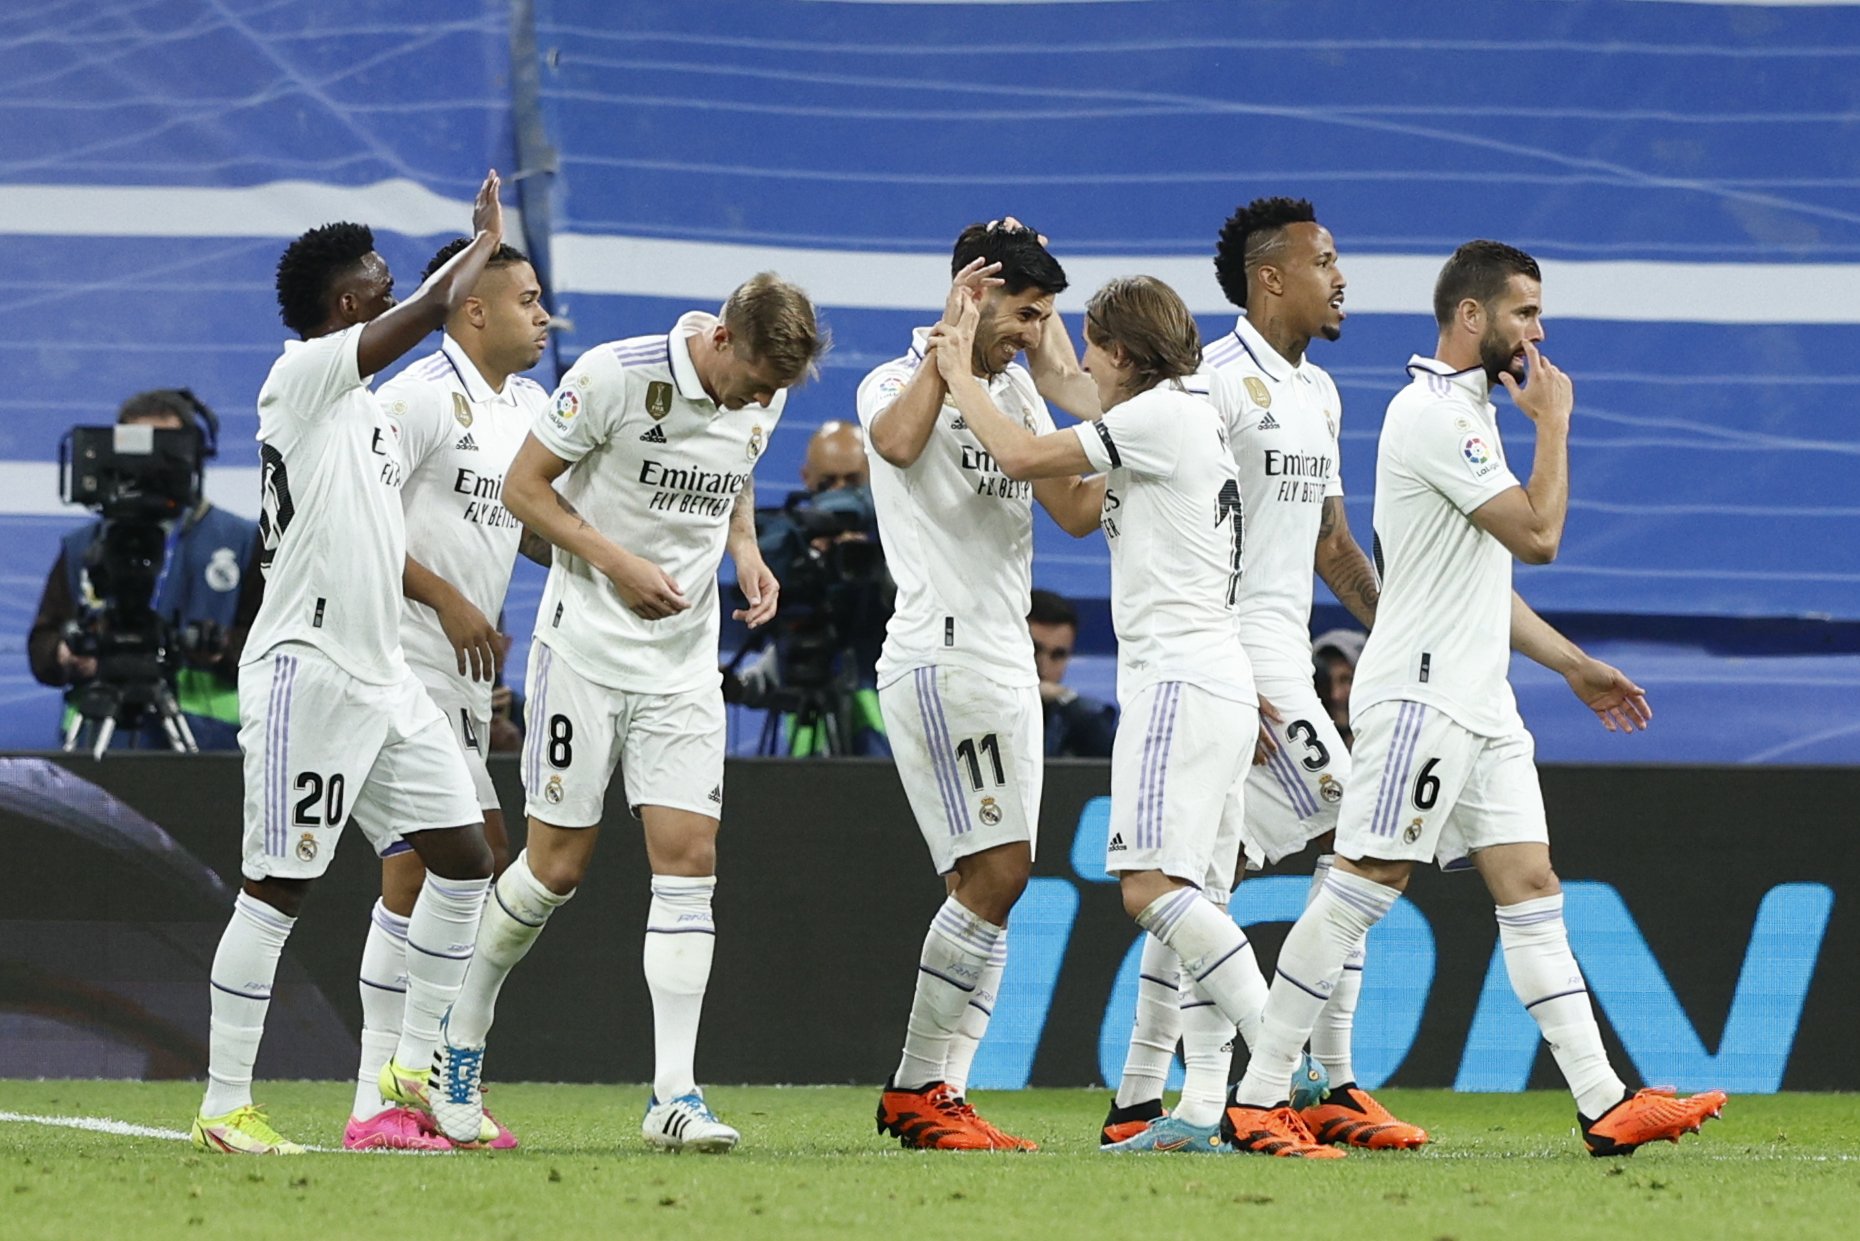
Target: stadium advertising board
point(1712, 911)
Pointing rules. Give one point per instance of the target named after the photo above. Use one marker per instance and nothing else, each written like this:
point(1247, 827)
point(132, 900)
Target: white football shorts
point(669, 747)
point(1427, 787)
point(323, 749)
point(1177, 771)
point(971, 755)
point(468, 715)
point(1294, 797)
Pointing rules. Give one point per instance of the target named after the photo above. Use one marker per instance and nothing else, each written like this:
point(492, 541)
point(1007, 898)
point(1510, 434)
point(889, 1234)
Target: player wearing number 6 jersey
point(462, 412)
point(957, 681)
point(658, 437)
point(1173, 521)
point(1443, 762)
point(333, 722)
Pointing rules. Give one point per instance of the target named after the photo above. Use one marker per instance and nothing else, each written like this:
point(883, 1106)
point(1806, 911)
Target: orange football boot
point(1350, 1117)
point(1128, 1122)
point(1271, 1131)
point(931, 1118)
point(997, 1138)
point(1652, 1114)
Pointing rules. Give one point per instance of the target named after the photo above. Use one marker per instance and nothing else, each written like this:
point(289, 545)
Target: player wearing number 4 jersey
point(658, 437)
point(462, 412)
point(333, 722)
point(957, 681)
point(1443, 763)
point(1173, 521)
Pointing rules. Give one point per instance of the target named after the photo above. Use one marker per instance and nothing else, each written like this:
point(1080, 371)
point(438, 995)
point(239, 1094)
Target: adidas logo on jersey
point(654, 435)
point(1116, 845)
point(961, 424)
point(466, 443)
point(716, 795)
point(1267, 422)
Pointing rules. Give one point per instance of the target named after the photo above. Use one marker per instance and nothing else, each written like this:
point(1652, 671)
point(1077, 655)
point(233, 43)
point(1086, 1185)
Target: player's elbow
point(1079, 524)
point(1539, 546)
point(522, 494)
point(893, 453)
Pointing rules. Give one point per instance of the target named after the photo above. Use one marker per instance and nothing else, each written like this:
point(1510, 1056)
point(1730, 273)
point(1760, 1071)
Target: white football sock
point(1208, 1034)
point(1157, 1027)
point(680, 940)
point(1332, 927)
point(1336, 1025)
point(383, 984)
point(955, 955)
point(244, 968)
point(1547, 980)
point(513, 918)
point(441, 934)
point(974, 1022)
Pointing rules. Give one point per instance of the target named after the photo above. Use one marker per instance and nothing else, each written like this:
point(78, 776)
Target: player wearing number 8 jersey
point(1173, 521)
point(658, 437)
point(1443, 763)
point(957, 681)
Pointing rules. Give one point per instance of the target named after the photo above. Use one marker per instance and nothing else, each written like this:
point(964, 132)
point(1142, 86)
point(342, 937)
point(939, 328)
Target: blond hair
point(776, 323)
point(1150, 322)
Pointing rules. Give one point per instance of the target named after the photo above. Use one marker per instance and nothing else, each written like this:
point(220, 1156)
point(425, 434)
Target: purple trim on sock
point(1559, 995)
point(265, 998)
point(534, 926)
point(1158, 981)
point(1209, 972)
point(1314, 994)
point(380, 986)
point(443, 956)
point(925, 969)
point(681, 930)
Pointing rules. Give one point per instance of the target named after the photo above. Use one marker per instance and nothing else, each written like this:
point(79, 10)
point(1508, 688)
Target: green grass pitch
point(1501, 1166)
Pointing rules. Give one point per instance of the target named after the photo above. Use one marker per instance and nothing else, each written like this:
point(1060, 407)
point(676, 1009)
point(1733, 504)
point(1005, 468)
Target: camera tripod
point(128, 686)
point(815, 710)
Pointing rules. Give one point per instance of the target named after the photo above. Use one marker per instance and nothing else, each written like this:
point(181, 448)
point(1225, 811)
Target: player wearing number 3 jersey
point(1443, 763)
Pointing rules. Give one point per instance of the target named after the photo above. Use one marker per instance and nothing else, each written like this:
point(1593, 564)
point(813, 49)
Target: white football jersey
point(457, 437)
point(1443, 626)
point(958, 534)
point(334, 544)
point(1173, 519)
point(1282, 422)
point(657, 468)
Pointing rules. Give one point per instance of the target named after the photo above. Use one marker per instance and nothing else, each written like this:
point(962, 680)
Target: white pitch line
point(123, 1129)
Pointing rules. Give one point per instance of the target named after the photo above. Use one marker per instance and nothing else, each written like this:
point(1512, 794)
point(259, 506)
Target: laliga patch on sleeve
point(1481, 458)
point(889, 387)
point(567, 405)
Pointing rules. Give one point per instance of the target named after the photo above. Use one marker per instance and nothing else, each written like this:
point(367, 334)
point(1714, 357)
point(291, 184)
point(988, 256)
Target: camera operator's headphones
point(194, 411)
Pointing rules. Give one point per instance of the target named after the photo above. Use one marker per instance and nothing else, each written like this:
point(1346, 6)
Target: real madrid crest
point(991, 811)
point(306, 848)
point(658, 399)
point(1412, 832)
point(552, 791)
point(1329, 788)
point(1257, 389)
point(754, 448)
point(461, 409)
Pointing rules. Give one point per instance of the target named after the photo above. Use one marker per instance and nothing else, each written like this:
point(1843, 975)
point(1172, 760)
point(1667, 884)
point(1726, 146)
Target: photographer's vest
point(200, 584)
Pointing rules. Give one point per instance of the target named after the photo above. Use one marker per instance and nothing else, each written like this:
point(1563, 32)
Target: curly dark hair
point(1025, 263)
point(1247, 238)
point(309, 268)
point(505, 256)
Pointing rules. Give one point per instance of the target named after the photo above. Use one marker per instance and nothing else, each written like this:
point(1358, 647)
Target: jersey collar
point(1264, 355)
point(1471, 381)
point(684, 370)
point(477, 389)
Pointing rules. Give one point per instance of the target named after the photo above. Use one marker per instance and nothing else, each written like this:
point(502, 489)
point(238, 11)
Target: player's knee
point(458, 853)
point(560, 873)
point(284, 895)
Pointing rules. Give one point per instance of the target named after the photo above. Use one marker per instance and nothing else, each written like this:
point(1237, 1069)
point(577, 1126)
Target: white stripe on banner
point(1627, 290)
point(30, 489)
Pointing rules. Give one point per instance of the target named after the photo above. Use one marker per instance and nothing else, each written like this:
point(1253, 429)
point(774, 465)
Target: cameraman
point(210, 590)
point(836, 598)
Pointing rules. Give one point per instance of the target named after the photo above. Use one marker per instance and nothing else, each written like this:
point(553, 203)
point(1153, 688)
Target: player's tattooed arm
point(1618, 703)
point(535, 548)
point(1343, 565)
point(529, 493)
point(743, 514)
point(753, 576)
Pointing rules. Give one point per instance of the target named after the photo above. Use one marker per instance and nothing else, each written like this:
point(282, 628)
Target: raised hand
point(487, 214)
point(955, 342)
point(1620, 704)
point(969, 285)
point(1546, 393)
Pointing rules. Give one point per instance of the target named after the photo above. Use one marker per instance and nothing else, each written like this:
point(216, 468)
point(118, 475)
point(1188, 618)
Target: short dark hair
point(309, 268)
point(157, 403)
point(505, 256)
point(1025, 263)
point(1051, 609)
point(1247, 239)
point(1480, 270)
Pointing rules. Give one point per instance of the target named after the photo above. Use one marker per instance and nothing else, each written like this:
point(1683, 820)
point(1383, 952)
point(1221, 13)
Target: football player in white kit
point(1444, 765)
point(333, 722)
point(956, 679)
point(658, 436)
point(463, 411)
point(1190, 718)
point(1279, 265)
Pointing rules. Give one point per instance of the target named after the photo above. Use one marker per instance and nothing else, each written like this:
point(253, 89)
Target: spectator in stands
point(209, 589)
point(1076, 726)
point(1333, 657)
point(835, 459)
